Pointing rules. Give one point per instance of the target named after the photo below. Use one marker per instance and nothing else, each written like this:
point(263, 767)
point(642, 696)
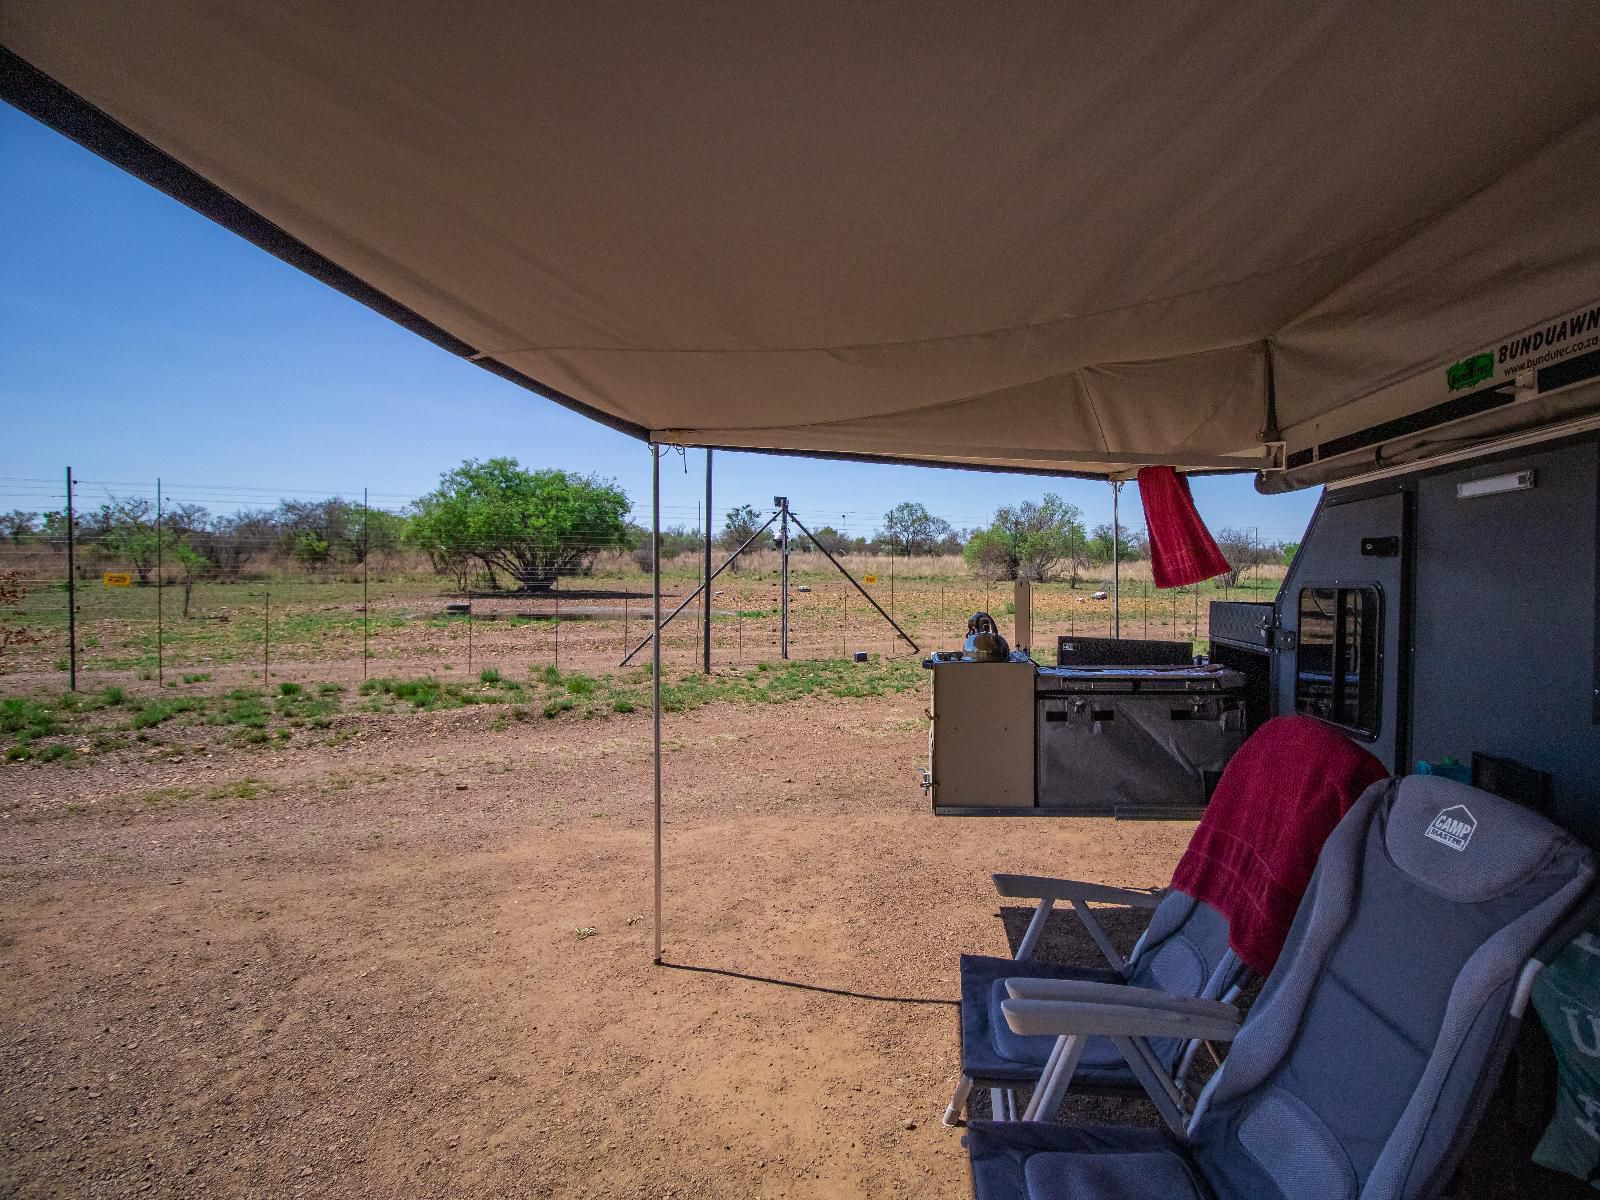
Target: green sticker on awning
point(1470, 371)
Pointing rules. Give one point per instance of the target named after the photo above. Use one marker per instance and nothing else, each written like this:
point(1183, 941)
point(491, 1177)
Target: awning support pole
point(783, 606)
point(705, 603)
point(655, 672)
point(1116, 559)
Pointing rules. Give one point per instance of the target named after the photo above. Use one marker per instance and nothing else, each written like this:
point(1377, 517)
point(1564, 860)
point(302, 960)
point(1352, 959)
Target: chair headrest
point(1463, 843)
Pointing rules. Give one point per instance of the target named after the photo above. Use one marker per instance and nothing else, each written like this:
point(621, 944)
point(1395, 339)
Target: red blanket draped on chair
point(1278, 800)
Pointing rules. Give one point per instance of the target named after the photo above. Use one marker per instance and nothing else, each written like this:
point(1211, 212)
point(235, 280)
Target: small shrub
point(549, 676)
point(489, 675)
point(560, 705)
point(197, 678)
point(26, 718)
point(622, 705)
point(580, 685)
point(21, 752)
point(289, 689)
point(158, 711)
point(60, 752)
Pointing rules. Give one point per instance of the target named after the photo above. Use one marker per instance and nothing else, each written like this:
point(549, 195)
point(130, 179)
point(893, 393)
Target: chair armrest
point(1038, 887)
point(1084, 991)
point(1072, 1018)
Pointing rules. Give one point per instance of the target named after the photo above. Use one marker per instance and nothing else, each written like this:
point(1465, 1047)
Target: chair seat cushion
point(1017, 1160)
point(992, 1054)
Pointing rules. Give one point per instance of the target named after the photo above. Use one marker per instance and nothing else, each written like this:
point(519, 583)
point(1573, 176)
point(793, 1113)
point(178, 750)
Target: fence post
point(266, 635)
point(72, 594)
point(366, 558)
point(160, 676)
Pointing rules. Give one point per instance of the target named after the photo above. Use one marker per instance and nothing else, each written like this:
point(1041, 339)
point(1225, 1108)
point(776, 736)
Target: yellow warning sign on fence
point(869, 579)
point(117, 579)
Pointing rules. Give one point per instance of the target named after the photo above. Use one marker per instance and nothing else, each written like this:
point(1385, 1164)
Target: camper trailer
point(1441, 611)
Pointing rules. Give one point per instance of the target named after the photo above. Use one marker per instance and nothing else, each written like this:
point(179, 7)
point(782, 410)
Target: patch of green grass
point(162, 795)
point(489, 675)
point(203, 678)
point(425, 693)
point(26, 718)
point(560, 705)
point(59, 752)
point(289, 689)
point(547, 675)
point(622, 705)
point(21, 752)
point(330, 689)
point(579, 684)
point(155, 712)
point(243, 789)
point(242, 706)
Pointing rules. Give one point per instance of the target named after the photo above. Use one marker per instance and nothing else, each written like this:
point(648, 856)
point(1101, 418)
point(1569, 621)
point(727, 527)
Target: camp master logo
point(1453, 827)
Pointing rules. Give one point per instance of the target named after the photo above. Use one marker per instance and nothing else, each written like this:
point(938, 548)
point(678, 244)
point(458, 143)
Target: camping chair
point(1308, 775)
point(1364, 1064)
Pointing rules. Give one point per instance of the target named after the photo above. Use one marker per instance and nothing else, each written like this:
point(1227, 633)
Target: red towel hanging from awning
point(1182, 550)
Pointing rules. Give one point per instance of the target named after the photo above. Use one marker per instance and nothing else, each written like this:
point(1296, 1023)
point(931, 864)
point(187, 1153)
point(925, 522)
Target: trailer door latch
point(1380, 547)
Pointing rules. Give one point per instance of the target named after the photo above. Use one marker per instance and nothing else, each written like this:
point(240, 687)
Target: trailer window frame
point(1350, 699)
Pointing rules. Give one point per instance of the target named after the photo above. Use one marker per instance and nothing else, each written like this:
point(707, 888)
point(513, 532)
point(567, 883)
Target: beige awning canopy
point(1063, 237)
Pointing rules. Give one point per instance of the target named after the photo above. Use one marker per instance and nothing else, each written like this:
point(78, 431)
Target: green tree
point(739, 527)
point(18, 527)
point(1131, 544)
point(533, 526)
point(1288, 551)
point(910, 528)
point(1243, 549)
point(1030, 541)
point(124, 531)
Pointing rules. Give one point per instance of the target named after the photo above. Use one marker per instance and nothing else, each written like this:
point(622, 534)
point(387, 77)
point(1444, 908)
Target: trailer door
point(1339, 615)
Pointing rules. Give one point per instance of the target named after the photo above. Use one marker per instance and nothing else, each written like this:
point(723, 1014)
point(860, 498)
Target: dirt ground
point(419, 963)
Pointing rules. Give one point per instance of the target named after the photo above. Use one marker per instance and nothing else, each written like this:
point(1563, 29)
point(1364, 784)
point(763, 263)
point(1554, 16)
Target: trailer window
point(1336, 662)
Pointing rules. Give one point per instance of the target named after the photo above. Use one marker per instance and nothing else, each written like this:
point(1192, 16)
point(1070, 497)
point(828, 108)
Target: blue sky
point(137, 340)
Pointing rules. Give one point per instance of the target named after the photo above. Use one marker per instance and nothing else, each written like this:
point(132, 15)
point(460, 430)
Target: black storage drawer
point(1246, 623)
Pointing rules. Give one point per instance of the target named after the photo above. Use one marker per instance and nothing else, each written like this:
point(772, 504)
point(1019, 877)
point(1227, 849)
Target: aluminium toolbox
point(1134, 741)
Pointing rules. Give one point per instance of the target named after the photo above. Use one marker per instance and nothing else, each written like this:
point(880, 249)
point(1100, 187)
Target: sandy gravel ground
point(418, 964)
